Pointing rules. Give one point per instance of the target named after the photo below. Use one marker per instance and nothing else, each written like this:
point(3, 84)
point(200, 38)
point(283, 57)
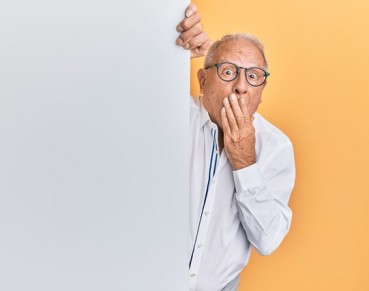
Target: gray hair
point(233, 37)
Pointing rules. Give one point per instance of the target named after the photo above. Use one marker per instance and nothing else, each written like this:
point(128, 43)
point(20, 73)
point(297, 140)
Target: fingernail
point(242, 100)
point(186, 46)
point(189, 13)
point(179, 41)
point(233, 97)
point(225, 101)
point(179, 28)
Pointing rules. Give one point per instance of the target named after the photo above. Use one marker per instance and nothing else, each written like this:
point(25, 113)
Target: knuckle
point(185, 36)
point(191, 21)
point(198, 28)
point(232, 118)
point(207, 44)
point(195, 42)
point(186, 23)
point(192, 43)
point(235, 138)
point(193, 7)
point(196, 18)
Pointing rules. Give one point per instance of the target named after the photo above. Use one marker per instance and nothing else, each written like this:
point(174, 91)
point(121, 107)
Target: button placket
point(206, 217)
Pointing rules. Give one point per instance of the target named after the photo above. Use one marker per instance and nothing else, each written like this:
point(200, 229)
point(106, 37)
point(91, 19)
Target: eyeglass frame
point(217, 65)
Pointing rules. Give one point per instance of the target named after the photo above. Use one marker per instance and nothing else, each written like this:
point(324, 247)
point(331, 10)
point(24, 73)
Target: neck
point(220, 141)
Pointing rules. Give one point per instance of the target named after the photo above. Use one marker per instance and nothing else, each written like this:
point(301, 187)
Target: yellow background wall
point(318, 94)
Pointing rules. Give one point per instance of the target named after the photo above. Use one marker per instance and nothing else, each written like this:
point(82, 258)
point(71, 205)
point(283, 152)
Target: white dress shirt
point(230, 211)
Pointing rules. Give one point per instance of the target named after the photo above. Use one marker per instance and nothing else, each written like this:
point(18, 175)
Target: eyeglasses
point(228, 72)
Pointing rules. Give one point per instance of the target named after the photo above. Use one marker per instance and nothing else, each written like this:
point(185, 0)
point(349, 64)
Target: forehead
point(241, 51)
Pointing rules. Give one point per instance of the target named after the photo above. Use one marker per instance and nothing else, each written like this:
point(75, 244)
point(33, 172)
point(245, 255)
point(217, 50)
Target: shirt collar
point(204, 116)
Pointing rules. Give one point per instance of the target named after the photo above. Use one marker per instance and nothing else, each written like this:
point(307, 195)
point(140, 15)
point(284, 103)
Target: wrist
point(242, 164)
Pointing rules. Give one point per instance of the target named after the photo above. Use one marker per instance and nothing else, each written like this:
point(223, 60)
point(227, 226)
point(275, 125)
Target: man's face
point(244, 54)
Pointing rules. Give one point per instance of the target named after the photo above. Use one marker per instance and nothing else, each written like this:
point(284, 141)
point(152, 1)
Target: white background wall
point(93, 146)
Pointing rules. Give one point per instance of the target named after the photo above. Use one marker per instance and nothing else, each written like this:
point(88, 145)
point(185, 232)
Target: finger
point(190, 10)
point(230, 116)
point(225, 123)
point(201, 50)
point(198, 40)
point(244, 102)
point(238, 114)
point(186, 36)
point(187, 23)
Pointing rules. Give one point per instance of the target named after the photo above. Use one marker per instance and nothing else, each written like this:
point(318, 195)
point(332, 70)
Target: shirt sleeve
point(262, 194)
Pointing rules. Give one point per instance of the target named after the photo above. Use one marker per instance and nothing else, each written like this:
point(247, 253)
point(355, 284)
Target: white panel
point(94, 146)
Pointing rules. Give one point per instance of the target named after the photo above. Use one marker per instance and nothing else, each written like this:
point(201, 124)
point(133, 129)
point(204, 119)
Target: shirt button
point(207, 213)
point(213, 182)
point(199, 245)
point(192, 275)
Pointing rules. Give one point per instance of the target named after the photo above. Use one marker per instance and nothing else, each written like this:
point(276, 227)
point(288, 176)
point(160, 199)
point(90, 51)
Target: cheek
point(211, 96)
point(213, 102)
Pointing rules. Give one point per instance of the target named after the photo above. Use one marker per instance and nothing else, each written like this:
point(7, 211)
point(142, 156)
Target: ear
point(201, 77)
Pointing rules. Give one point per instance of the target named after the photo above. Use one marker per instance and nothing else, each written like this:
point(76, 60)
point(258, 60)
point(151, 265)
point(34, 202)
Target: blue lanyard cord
point(207, 187)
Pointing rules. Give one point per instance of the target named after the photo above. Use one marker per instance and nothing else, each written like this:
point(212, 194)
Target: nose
point(240, 84)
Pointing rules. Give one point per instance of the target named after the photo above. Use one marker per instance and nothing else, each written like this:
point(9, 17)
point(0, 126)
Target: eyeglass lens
point(229, 72)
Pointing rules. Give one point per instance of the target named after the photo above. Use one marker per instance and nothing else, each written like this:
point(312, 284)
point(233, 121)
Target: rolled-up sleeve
point(262, 195)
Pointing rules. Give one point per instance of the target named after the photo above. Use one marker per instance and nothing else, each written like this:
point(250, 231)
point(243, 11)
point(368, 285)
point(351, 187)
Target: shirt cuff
point(248, 178)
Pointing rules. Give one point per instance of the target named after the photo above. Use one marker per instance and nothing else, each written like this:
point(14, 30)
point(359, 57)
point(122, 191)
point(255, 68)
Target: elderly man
point(242, 167)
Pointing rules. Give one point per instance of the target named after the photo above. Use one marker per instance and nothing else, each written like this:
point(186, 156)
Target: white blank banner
point(94, 146)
